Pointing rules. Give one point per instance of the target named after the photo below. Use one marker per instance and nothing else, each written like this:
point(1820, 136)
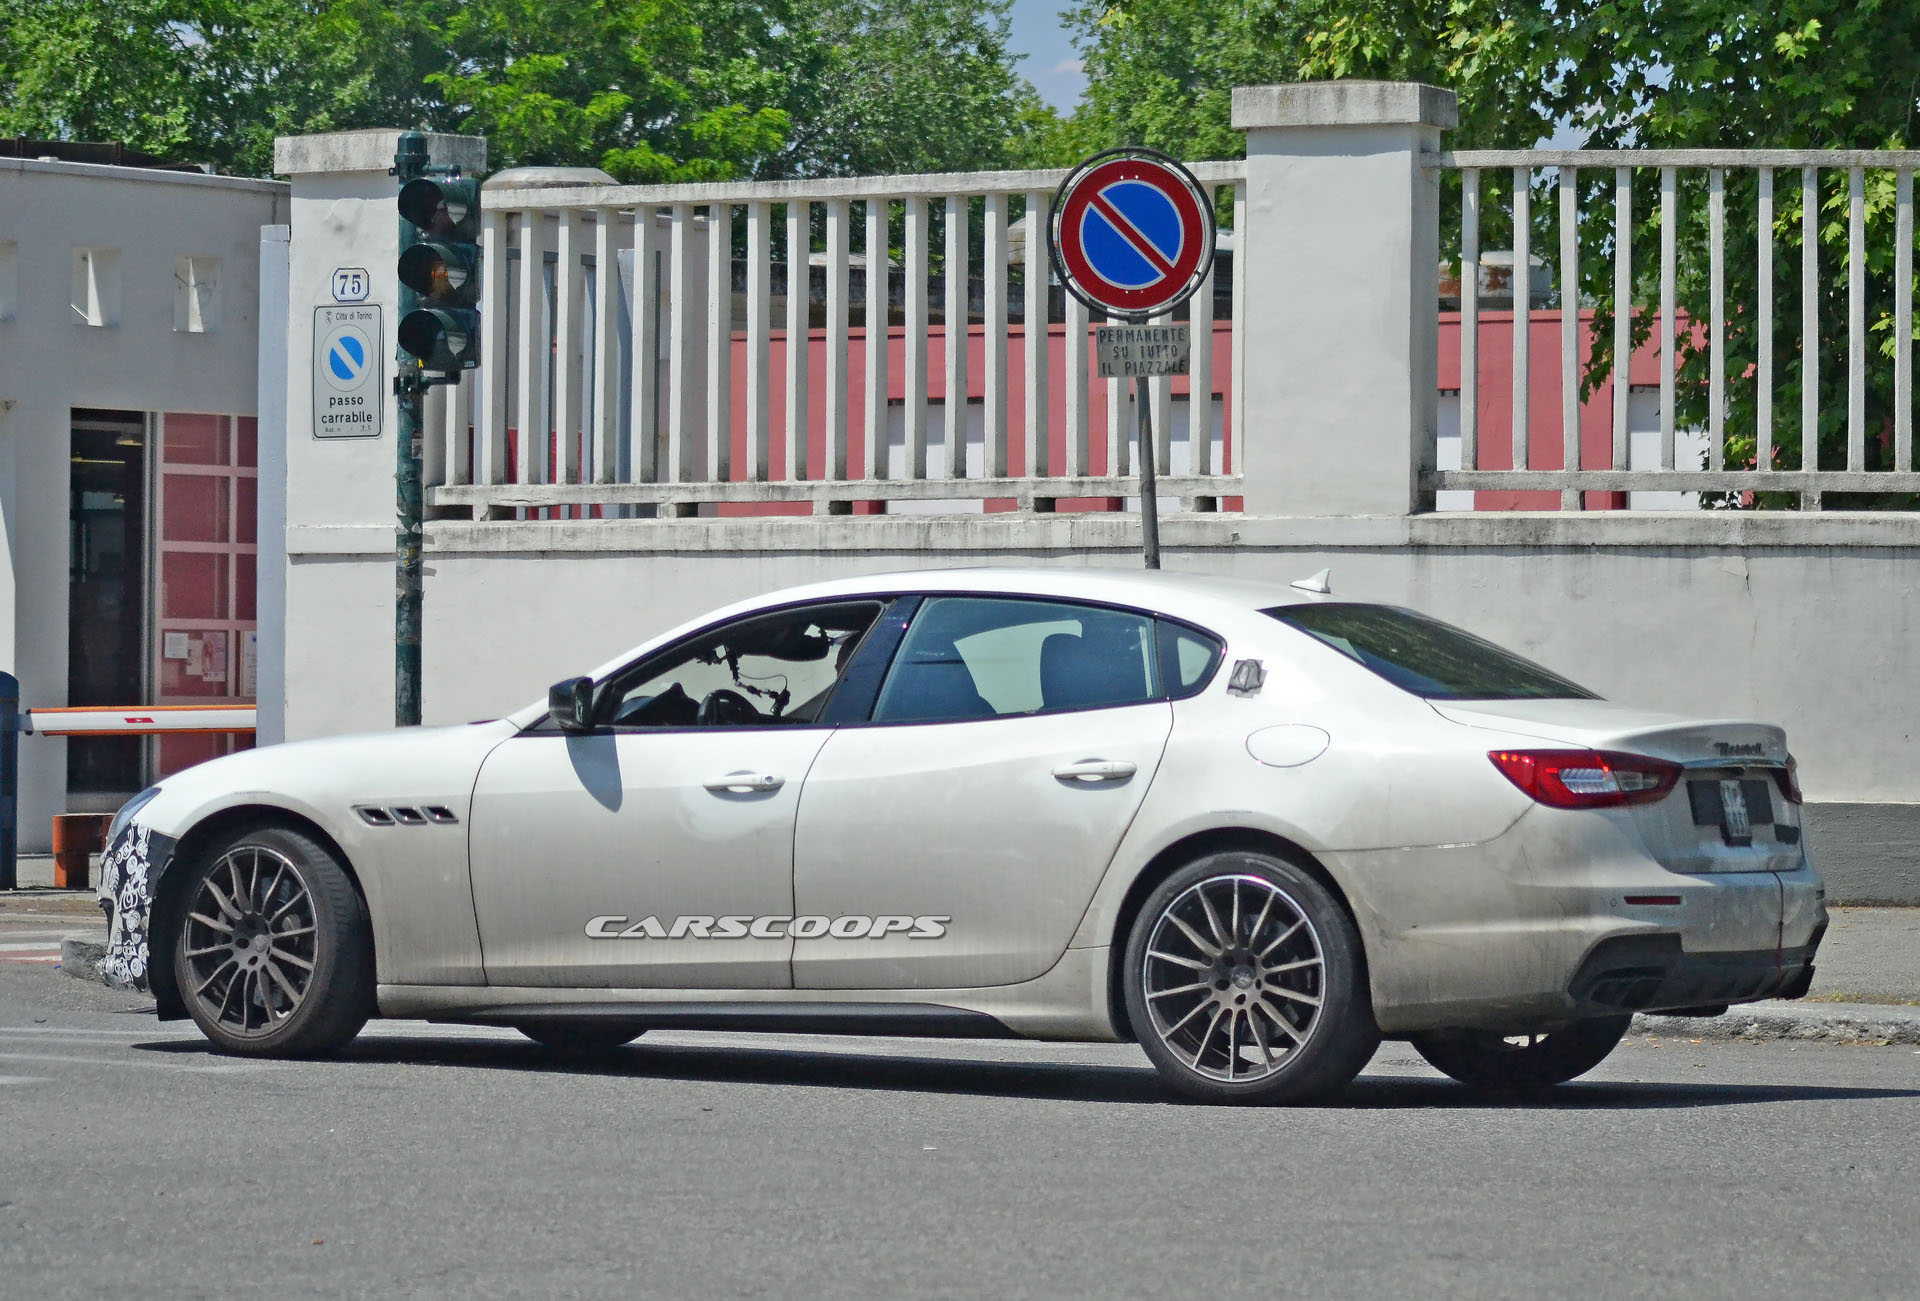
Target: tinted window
point(977, 657)
point(767, 670)
point(1187, 659)
point(1425, 656)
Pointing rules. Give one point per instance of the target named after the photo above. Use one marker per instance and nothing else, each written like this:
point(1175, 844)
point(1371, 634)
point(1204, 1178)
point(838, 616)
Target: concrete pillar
point(1342, 307)
point(339, 492)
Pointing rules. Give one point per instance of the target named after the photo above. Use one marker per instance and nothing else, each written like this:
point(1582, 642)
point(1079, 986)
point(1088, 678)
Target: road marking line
point(81, 1030)
point(175, 1067)
point(22, 1079)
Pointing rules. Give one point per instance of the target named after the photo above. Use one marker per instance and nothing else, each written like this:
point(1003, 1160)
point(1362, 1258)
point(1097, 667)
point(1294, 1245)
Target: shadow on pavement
point(1039, 1080)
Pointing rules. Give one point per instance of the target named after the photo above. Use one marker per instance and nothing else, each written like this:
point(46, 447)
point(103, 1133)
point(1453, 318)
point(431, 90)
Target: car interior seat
point(1102, 665)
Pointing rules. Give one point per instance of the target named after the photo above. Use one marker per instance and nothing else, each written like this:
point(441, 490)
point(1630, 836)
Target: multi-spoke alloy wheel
point(250, 941)
point(1233, 977)
point(272, 952)
point(1244, 982)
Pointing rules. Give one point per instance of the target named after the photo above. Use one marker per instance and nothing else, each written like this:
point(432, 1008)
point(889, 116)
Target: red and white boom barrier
point(148, 720)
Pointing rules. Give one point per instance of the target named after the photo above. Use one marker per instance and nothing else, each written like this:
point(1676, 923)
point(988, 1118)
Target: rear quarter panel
point(1392, 774)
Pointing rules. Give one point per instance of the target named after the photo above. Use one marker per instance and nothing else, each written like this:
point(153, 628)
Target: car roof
point(1176, 593)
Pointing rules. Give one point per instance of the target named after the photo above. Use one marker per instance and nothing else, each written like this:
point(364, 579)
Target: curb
point(81, 959)
point(1853, 1023)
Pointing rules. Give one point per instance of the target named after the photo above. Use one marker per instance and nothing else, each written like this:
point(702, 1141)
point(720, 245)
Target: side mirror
point(570, 704)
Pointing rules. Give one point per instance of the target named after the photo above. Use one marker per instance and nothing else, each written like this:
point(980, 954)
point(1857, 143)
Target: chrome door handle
point(1096, 770)
point(745, 782)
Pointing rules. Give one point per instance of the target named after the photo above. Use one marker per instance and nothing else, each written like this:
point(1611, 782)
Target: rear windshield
point(1425, 656)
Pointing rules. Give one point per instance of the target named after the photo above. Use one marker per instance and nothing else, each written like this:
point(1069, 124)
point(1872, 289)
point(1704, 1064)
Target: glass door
point(204, 648)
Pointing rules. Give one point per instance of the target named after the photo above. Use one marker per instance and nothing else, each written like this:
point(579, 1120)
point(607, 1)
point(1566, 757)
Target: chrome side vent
point(407, 815)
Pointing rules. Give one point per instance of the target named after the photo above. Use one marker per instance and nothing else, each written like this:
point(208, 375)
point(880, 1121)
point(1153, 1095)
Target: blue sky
point(1051, 64)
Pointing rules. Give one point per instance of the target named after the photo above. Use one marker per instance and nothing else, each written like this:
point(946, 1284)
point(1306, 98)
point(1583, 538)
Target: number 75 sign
point(351, 285)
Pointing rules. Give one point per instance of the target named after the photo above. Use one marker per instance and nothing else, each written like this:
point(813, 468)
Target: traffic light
point(440, 273)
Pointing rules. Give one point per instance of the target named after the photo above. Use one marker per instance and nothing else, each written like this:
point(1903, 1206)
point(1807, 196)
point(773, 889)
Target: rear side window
point(1424, 656)
point(1188, 658)
point(978, 657)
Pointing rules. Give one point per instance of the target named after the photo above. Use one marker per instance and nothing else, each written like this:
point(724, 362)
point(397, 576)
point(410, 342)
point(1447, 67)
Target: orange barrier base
point(77, 836)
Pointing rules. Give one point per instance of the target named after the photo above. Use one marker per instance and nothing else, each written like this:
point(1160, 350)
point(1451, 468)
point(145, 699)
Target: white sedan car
point(1252, 828)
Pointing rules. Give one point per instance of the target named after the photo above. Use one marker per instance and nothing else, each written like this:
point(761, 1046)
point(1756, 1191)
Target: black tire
point(301, 915)
point(1493, 1063)
point(580, 1040)
point(1246, 987)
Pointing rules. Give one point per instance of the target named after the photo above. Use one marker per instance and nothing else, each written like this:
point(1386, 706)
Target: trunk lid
point(1728, 813)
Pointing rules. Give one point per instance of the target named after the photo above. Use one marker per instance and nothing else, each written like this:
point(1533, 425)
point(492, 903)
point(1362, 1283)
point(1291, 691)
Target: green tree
point(1161, 73)
point(649, 89)
point(1802, 74)
point(876, 86)
point(209, 80)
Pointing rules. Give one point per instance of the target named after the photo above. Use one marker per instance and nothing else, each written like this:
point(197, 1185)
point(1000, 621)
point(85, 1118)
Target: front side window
point(980, 657)
point(1424, 656)
point(765, 671)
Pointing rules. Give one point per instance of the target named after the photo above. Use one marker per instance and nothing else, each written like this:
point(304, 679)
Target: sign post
point(1132, 235)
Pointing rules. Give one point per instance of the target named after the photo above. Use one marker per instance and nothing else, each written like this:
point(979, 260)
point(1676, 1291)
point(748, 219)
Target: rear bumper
point(1654, 973)
point(1514, 934)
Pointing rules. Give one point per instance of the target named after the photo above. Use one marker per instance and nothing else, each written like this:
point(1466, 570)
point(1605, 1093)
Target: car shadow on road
point(801, 1067)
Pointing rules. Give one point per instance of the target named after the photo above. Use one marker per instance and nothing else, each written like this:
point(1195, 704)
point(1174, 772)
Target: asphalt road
point(443, 1161)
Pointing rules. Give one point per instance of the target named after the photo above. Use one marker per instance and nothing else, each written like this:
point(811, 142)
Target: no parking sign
point(1132, 236)
point(1132, 233)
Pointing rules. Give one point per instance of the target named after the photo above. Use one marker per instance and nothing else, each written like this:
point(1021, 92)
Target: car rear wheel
point(1245, 982)
point(273, 951)
point(574, 1040)
point(1496, 1063)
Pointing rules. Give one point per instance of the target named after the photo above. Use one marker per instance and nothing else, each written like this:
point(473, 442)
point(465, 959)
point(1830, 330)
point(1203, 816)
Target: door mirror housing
point(570, 704)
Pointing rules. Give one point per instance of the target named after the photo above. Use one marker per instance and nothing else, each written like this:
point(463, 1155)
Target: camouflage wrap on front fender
point(130, 871)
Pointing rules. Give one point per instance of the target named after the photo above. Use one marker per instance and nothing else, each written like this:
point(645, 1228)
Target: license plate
point(1735, 825)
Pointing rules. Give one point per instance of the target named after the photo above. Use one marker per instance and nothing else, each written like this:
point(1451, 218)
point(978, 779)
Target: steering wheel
point(725, 707)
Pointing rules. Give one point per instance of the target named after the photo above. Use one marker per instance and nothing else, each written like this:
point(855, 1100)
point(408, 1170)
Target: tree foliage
point(653, 90)
point(878, 86)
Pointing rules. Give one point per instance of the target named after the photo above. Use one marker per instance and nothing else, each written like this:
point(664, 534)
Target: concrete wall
point(50, 363)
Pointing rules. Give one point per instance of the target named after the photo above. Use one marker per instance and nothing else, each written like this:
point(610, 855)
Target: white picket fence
point(669, 387)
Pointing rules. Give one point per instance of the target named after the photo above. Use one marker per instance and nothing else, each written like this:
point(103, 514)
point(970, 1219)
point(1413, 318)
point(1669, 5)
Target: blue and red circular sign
point(1132, 232)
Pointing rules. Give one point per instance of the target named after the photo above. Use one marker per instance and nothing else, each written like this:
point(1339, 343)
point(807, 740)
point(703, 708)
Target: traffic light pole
point(408, 587)
point(409, 162)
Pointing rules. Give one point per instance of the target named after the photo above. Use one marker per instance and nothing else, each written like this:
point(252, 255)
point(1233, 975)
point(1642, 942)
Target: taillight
point(1788, 780)
point(1587, 779)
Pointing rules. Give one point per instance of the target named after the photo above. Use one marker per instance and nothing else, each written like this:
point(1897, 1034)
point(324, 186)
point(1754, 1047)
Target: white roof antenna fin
point(1321, 582)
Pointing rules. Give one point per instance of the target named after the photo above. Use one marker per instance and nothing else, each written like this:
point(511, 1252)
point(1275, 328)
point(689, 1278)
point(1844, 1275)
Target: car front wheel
point(1245, 982)
point(273, 952)
point(1496, 1063)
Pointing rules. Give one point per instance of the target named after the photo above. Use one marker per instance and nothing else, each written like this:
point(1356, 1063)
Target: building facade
point(129, 301)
